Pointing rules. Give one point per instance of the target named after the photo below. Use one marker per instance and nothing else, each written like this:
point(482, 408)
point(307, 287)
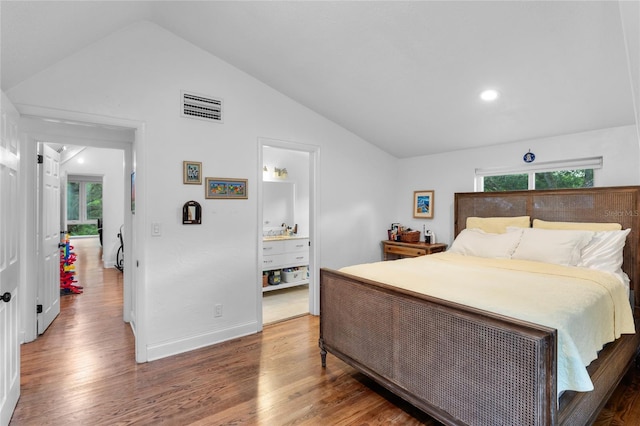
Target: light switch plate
point(156, 229)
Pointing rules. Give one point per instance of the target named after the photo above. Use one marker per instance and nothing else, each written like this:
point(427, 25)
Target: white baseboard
point(178, 346)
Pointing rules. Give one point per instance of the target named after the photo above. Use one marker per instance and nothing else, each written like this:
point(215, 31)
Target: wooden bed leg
point(323, 352)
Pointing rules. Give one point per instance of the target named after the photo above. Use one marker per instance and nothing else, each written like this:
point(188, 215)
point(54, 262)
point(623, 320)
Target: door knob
point(6, 297)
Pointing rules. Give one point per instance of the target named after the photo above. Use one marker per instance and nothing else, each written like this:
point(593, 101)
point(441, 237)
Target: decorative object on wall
point(133, 192)
point(225, 188)
point(423, 204)
point(191, 213)
point(529, 157)
point(280, 173)
point(192, 172)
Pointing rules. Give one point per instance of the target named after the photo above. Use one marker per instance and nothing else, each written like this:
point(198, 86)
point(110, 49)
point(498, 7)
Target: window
point(84, 204)
point(506, 182)
point(551, 175)
point(580, 178)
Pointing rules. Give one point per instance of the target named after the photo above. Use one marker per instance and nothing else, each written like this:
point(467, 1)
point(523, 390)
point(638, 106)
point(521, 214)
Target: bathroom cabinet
point(281, 253)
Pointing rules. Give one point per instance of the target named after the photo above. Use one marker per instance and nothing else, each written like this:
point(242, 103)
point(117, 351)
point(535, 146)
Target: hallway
point(65, 370)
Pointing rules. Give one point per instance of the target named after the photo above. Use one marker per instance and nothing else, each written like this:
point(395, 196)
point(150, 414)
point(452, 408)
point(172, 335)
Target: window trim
point(85, 178)
point(594, 163)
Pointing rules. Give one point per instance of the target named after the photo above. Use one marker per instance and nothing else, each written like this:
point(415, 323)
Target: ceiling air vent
point(202, 107)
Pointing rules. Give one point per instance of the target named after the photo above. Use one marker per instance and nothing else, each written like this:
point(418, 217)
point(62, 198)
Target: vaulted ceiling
point(404, 76)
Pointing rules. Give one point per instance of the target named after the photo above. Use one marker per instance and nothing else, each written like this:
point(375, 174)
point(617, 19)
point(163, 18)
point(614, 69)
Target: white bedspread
point(588, 308)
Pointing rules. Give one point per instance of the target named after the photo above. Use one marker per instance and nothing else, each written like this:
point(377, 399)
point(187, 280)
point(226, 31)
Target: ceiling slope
point(404, 76)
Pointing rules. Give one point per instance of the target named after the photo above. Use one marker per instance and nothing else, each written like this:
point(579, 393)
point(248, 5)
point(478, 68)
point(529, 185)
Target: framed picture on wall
point(192, 172)
point(225, 188)
point(423, 204)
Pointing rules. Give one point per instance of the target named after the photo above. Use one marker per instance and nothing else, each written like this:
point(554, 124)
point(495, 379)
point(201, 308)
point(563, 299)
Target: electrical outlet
point(217, 310)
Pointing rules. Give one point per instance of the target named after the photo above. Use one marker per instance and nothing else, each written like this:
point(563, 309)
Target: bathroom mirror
point(277, 204)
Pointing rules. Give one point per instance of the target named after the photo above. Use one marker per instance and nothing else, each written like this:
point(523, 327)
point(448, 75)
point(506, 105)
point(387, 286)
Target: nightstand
point(398, 249)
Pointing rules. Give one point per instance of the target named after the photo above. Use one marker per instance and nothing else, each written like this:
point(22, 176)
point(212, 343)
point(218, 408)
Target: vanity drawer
point(297, 245)
point(272, 247)
point(284, 260)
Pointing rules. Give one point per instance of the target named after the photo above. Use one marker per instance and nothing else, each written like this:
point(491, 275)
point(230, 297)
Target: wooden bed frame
point(466, 366)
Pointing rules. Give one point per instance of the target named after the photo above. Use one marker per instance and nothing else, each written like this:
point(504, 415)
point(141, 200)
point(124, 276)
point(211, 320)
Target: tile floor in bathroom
point(282, 304)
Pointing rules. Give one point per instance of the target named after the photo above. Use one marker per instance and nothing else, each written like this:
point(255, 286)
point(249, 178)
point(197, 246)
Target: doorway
point(287, 254)
point(88, 137)
point(93, 210)
point(91, 187)
point(93, 182)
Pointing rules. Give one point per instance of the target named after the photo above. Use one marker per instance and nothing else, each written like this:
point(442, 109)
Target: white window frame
point(82, 197)
point(594, 163)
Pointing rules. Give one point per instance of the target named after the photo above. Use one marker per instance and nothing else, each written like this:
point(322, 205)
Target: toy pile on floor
point(67, 269)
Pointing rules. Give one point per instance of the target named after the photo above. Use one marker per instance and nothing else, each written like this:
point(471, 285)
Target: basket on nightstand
point(410, 236)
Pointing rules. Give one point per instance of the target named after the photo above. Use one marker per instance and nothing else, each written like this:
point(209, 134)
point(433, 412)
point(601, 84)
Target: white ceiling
point(402, 75)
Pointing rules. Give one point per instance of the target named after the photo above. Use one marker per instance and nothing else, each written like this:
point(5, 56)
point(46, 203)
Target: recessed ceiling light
point(489, 95)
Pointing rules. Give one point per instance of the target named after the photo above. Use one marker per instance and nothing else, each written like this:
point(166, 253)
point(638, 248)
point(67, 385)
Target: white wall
point(630, 16)
point(453, 172)
point(108, 163)
point(137, 74)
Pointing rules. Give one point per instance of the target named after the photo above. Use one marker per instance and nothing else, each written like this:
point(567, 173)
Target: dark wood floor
point(82, 372)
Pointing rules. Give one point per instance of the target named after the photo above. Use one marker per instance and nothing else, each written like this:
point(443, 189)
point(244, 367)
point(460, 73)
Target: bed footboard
point(459, 364)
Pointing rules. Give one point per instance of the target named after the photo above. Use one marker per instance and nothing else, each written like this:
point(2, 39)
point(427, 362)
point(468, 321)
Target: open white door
point(49, 237)
point(9, 265)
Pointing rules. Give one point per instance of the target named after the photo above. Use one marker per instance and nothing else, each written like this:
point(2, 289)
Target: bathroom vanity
point(284, 252)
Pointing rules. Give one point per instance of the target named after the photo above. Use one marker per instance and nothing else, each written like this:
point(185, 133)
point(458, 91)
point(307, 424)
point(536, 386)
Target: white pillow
point(476, 242)
point(552, 246)
point(604, 251)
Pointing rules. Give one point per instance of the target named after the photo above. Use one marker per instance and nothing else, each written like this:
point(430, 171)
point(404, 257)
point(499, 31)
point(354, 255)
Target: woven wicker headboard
point(606, 204)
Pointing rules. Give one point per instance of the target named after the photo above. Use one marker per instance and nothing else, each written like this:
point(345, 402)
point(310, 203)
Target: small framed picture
point(423, 204)
point(225, 188)
point(192, 172)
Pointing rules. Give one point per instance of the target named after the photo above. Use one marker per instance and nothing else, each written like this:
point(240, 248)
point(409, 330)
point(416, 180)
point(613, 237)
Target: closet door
point(9, 265)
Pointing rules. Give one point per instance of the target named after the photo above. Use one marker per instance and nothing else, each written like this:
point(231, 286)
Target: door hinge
point(40, 159)
point(38, 309)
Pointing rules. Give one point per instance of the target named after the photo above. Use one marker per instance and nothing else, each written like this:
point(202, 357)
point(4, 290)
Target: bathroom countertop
point(283, 237)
